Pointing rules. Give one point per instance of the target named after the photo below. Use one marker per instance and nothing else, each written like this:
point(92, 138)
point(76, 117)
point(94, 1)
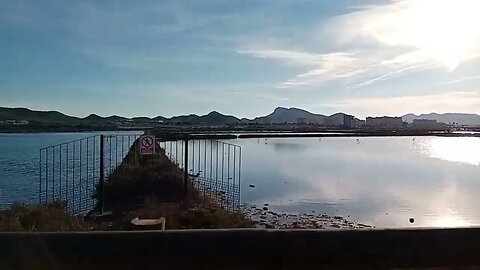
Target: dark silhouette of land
point(26, 120)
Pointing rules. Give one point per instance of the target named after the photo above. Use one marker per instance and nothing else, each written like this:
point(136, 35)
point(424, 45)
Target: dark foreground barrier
point(241, 249)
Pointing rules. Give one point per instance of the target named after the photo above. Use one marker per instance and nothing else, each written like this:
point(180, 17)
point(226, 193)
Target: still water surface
point(19, 162)
point(382, 181)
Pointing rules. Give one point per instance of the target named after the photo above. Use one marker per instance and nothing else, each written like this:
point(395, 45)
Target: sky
point(240, 57)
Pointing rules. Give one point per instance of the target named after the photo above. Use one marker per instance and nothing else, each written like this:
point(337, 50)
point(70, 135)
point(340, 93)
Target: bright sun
point(445, 31)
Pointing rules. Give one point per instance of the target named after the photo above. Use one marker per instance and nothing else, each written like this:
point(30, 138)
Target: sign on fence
point(147, 145)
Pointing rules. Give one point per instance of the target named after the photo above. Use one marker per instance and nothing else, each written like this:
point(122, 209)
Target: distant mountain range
point(460, 118)
point(35, 116)
point(279, 115)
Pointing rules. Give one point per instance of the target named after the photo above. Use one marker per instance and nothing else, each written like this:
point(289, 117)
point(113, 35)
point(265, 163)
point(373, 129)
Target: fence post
point(102, 173)
point(40, 179)
point(185, 170)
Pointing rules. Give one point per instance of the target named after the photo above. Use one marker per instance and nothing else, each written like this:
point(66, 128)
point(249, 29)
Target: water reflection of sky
point(19, 162)
point(381, 181)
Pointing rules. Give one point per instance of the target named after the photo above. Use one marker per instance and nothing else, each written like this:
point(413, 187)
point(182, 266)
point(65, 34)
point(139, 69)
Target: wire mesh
point(214, 169)
point(69, 172)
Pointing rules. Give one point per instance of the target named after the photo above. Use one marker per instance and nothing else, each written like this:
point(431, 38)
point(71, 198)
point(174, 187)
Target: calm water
point(19, 163)
point(382, 181)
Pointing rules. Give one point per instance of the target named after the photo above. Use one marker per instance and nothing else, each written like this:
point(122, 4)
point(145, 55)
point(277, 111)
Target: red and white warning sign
point(147, 145)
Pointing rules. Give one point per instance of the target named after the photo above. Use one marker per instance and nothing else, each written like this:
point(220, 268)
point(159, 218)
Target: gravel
point(268, 219)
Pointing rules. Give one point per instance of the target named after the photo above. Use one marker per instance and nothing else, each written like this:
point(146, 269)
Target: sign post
point(147, 145)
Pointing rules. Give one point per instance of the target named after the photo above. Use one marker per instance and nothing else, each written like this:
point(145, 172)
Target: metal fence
point(70, 172)
point(214, 168)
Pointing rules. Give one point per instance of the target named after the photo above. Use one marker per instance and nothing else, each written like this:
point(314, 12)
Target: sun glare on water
point(448, 221)
point(462, 150)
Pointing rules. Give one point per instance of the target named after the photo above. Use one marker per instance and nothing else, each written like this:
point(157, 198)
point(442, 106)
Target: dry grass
point(51, 217)
point(178, 216)
point(193, 217)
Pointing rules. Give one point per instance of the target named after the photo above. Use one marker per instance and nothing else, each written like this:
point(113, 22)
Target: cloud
point(382, 42)
point(468, 102)
point(463, 79)
point(353, 69)
point(442, 31)
point(324, 67)
point(387, 76)
point(302, 58)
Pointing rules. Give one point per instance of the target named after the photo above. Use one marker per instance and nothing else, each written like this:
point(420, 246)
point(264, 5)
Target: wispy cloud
point(463, 79)
point(387, 76)
point(293, 57)
point(323, 67)
point(389, 41)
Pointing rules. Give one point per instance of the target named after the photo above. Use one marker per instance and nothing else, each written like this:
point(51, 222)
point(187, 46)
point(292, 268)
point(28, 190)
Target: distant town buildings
point(340, 120)
point(15, 122)
point(384, 122)
point(427, 124)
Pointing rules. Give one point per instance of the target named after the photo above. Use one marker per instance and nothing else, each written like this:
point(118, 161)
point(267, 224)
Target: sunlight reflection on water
point(460, 149)
point(382, 181)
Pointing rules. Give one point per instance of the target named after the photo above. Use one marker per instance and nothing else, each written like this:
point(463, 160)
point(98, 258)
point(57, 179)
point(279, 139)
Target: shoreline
point(333, 134)
point(193, 133)
point(264, 218)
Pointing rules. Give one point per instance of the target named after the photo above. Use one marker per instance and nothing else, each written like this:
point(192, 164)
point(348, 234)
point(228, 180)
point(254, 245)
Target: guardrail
point(242, 249)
